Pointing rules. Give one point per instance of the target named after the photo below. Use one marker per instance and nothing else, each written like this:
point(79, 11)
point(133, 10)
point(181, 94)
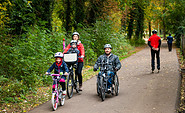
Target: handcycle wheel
point(116, 84)
point(102, 89)
point(70, 85)
point(98, 86)
point(54, 101)
point(76, 84)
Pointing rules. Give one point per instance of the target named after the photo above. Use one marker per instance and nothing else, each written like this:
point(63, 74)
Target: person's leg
point(153, 59)
point(62, 82)
point(158, 59)
point(78, 71)
point(110, 80)
point(170, 47)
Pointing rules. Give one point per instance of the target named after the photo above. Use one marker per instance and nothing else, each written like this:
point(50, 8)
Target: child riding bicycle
point(74, 49)
point(111, 62)
point(59, 66)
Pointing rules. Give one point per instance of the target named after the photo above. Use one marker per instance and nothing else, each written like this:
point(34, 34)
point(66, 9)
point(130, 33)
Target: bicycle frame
point(56, 86)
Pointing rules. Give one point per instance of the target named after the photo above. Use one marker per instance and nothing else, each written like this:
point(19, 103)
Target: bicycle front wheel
point(70, 85)
point(54, 101)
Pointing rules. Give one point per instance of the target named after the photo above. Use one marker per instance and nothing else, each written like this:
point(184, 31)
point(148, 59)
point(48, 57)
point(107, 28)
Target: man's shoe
point(80, 88)
point(152, 71)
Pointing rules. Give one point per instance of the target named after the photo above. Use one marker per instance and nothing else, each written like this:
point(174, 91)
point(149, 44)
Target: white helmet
point(59, 54)
point(107, 46)
point(76, 33)
point(73, 41)
point(154, 31)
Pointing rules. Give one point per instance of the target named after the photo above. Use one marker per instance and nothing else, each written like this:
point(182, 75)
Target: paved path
point(140, 91)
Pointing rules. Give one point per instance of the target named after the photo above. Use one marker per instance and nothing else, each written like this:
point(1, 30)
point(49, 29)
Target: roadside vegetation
point(31, 31)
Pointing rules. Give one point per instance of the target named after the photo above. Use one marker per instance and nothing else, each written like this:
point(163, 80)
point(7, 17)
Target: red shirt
point(154, 40)
point(80, 47)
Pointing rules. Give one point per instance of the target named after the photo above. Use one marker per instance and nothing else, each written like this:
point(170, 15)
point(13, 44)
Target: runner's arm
point(159, 43)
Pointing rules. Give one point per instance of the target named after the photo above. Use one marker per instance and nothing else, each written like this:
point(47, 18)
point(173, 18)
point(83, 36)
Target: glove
point(94, 69)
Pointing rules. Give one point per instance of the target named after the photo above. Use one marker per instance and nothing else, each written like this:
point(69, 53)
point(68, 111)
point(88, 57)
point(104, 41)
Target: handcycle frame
point(55, 94)
point(102, 80)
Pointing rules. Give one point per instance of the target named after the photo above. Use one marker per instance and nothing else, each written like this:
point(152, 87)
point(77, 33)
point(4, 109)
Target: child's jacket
point(58, 68)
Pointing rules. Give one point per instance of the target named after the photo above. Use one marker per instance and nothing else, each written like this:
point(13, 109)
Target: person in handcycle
point(110, 64)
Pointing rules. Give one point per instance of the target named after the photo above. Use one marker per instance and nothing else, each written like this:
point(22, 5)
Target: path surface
point(140, 91)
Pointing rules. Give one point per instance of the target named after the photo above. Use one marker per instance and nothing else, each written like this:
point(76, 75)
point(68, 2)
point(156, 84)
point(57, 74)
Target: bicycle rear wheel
point(76, 84)
point(116, 84)
point(70, 84)
point(54, 101)
point(102, 89)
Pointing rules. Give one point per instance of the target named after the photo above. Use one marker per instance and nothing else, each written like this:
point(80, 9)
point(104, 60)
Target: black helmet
point(107, 46)
point(154, 31)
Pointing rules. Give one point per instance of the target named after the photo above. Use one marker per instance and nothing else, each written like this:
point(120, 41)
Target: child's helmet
point(59, 54)
point(107, 46)
point(73, 41)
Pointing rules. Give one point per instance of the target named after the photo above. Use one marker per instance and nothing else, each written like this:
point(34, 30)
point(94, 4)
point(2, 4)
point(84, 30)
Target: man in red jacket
point(154, 43)
point(81, 55)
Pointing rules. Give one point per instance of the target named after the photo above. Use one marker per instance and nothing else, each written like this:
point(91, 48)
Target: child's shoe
point(64, 92)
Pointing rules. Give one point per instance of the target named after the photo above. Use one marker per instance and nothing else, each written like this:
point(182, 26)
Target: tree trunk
point(79, 12)
point(164, 26)
point(68, 17)
point(149, 26)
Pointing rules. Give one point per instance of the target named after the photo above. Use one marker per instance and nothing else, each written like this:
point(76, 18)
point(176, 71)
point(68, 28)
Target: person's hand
point(82, 56)
point(157, 49)
point(47, 73)
point(66, 73)
point(116, 69)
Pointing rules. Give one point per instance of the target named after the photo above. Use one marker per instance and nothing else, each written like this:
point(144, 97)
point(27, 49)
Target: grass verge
point(181, 60)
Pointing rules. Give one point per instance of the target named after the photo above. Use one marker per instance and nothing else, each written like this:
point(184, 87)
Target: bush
point(24, 61)
point(137, 42)
point(94, 38)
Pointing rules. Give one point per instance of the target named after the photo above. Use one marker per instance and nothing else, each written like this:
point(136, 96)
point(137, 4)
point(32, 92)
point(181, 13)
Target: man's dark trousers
point(170, 46)
point(153, 52)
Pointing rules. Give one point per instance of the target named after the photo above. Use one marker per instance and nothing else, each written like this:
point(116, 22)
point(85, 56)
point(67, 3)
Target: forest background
point(32, 31)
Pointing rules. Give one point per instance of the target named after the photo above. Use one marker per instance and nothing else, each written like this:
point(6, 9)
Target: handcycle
point(57, 96)
point(72, 79)
point(102, 81)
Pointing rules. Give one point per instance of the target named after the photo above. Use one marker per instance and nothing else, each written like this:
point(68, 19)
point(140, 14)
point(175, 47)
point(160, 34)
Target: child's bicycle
point(102, 81)
point(57, 96)
point(72, 79)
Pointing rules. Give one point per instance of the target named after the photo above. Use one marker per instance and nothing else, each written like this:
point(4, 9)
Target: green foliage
point(178, 35)
point(94, 39)
point(23, 62)
point(137, 42)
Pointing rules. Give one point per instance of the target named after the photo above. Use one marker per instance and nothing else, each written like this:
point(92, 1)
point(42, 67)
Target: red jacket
point(80, 47)
point(154, 41)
